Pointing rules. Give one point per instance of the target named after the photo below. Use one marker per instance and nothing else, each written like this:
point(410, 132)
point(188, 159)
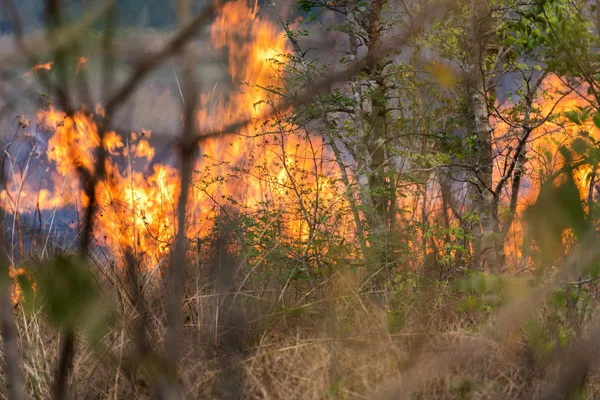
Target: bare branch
point(171, 48)
point(169, 386)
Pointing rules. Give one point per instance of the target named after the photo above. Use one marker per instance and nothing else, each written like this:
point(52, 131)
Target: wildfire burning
point(260, 166)
point(542, 158)
point(267, 165)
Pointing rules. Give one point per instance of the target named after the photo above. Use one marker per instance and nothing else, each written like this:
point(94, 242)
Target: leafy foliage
point(65, 291)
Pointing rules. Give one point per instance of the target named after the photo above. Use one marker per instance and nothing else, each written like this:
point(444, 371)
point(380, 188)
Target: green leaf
point(27, 286)
point(69, 295)
point(597, 120)
point(580, 146)
point(67, 288)
point(558, 298)
point(557, 209)
point(478, 283)
point(573, 116)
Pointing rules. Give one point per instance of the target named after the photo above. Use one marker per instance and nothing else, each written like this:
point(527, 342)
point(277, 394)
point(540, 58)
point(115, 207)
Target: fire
point(542, 156)
point(542, 160)
point(282, 166)
point(264, 166)
point(73, 142)
point(134, 206)
point(16, 291)
point(81, 63)
point(268, 165)
point(39, 67)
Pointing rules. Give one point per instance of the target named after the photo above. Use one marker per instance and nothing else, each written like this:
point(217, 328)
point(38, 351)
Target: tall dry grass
point(337, 345)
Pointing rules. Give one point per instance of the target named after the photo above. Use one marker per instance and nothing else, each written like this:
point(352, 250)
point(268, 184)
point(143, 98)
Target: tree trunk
point(370, 132)
point(369, 142)
point(484, 233)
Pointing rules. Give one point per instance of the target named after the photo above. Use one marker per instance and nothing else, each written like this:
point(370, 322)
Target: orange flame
point(137, 201)
point(543, 158)
point(38, 67)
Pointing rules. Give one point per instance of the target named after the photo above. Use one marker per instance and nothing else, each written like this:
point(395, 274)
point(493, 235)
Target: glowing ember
point(39, 67)
point(81, 63)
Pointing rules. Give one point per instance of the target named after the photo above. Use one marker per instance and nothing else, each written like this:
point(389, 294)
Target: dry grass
point(338, 347)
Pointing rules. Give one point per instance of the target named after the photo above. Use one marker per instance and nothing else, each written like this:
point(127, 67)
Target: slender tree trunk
point(376, 143)
point(169, 384)
point(362, 158)
point(349, 195)
point(484, 235)
point(376, 147)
